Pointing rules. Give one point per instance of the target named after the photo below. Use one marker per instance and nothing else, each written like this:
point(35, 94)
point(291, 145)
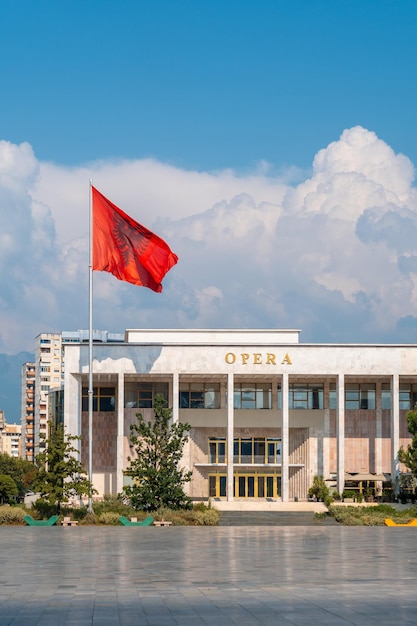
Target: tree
point(60, 475)
point(23, 472)
point(409, 456)
point(8, 489)
point(158, 479)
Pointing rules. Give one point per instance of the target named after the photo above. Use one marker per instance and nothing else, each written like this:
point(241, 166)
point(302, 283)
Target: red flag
point(126, 249)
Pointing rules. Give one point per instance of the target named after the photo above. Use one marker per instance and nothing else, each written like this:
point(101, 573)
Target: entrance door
point(246, 485)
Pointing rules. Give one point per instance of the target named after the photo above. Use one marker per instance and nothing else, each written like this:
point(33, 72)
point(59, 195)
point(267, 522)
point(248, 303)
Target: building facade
point(49, 368)
point(44, 379)
point(267, 413)
point(10, 438)
point(27, 411)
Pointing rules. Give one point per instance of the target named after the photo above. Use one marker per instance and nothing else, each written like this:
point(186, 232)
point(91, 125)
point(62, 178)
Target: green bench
point(127, 522)
point(41, 522)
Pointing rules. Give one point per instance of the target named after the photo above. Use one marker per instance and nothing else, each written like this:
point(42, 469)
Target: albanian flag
point(127, 249)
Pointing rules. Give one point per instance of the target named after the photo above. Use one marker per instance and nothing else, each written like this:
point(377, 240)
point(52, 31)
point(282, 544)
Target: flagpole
point(90, 353)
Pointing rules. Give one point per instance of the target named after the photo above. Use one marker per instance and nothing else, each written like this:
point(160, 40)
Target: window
point(141, 394)
point(359, 396)
point(332, 396)
point(199, 396)
point(303, 396)
point(385, 396)
point(252, 396)
point(103, 399)
point(408, 397)
point(306, 396)
point(217, 450)
point(246, 450)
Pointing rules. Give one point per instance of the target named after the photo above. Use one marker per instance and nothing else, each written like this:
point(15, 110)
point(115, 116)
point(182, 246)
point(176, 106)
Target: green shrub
point(90, 519)
point(370, 516)
point(319, 489)
point(201, 506)
point(349, 493)
point(109, 518)
point(11, 515)
point(44, 509)
point(211, 517)
point(201, 515)
point(328, 500)
point(77, 513)
point(113, 504)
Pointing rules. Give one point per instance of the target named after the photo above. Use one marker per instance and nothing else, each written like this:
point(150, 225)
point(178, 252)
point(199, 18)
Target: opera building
point(267, 413)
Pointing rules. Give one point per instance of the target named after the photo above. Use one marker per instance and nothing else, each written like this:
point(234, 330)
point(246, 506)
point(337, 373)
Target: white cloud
point(333, 255)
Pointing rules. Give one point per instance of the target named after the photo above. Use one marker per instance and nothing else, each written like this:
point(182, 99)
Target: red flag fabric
point(126, 249)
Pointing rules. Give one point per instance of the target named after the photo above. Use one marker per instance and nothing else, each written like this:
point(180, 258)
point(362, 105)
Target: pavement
point(216, 576)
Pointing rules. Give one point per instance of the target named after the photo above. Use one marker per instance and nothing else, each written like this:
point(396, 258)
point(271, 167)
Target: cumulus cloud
point(333, 254)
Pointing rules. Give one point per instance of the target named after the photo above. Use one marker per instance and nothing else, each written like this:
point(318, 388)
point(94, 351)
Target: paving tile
point(210, 576)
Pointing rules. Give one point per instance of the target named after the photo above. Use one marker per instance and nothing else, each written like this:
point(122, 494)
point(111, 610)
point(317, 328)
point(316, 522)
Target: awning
point(358, 478)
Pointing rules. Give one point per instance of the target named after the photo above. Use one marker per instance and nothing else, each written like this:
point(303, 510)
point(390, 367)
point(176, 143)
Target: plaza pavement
point(246, 576)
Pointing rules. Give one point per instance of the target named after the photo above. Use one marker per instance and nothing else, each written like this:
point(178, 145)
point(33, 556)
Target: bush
point(328, 500)
point(109, 518)
point(43, 509)
point(319, 489)
point(90, 519)
point(113, 504)
point(209, 517)
point(371, 516)
point(200, 515)
point(11, 515)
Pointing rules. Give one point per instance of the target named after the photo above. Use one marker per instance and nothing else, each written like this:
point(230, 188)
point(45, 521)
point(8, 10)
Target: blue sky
point(205, 84)
point(272, 144)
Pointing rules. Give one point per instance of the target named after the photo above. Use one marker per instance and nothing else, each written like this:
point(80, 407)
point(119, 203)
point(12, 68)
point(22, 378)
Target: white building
point(267, 413)
point(10, 440)
point(49, 367)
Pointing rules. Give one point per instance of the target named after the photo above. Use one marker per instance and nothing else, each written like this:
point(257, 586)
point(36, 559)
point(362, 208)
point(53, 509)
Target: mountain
point(11, 384)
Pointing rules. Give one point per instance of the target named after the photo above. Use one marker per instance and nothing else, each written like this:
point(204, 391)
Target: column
point(378, 431)
point(326, 432)
point(120, 431)
point(285, 442)
point(175, 398)
point(395, 431)
point(340, 432)
point(230, 435)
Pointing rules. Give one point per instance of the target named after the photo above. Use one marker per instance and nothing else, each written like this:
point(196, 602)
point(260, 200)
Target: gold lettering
point(230, 358)
point(269, 358)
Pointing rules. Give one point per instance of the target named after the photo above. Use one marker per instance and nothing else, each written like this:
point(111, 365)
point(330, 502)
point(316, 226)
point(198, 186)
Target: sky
point(272, 144)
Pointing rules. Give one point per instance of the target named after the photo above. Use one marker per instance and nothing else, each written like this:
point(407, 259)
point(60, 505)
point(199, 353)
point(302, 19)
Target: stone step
point(271, 518)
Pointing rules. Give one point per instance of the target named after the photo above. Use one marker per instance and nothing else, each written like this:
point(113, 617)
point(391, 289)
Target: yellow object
point(390, 522)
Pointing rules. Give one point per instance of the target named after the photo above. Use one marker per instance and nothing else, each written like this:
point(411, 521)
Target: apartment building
point(44, 376)
point(49, 367)
point(10, 440)
point(27, 412)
